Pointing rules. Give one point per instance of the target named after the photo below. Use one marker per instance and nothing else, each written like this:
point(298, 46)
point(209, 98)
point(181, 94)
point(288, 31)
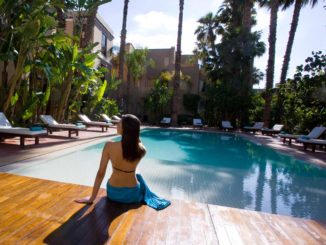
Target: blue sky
point(153, 24)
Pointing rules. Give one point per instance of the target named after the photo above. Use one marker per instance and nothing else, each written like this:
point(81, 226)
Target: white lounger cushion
point(4, 122)
point(49, 120)
point(257, 125)
point(106, 118)
point(278, 127)
point(166, 120)
point(197, 122)
point(226, 124)
point(84, 118)
point(316, 132)
point(67, 126)
point(313, 141)
point(116, 118)
point(23, 131)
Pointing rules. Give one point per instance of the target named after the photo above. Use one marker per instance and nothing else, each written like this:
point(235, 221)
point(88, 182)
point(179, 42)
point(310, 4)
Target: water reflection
point(229, 170)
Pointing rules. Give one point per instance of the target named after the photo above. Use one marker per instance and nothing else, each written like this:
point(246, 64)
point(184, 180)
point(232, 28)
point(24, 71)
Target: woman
point(124, 184)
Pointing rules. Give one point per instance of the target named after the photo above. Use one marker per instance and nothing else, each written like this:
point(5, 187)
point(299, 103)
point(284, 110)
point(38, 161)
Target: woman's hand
point(86, 200)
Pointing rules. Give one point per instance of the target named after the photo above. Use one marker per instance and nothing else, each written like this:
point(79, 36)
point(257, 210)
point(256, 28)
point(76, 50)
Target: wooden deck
point(34, 211)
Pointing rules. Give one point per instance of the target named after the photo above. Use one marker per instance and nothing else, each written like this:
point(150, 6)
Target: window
point(104, 44)
point(166, 61)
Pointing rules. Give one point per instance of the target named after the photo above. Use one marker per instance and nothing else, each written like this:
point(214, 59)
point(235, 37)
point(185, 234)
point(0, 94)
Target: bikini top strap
point(123, 170)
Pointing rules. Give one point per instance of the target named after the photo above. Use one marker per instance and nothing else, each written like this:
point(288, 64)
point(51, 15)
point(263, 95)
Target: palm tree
point(123, 40)
point(274, 5)
point(295, 19)
point(294, 24)
point(206, 30)
point(137, 63)
point(175, 99)
point(91, 11)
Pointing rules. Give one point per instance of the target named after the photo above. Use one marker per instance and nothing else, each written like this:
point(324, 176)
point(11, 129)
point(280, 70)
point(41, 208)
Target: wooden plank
point(262, 228)
point(42, 211)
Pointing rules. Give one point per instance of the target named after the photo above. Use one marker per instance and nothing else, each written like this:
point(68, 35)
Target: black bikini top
point(123, 170)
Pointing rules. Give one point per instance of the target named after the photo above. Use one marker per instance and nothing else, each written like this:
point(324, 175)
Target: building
point(102, 34)
point(164, 60)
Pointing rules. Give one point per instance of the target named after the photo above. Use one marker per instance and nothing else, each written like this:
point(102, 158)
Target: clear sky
point(154, 23)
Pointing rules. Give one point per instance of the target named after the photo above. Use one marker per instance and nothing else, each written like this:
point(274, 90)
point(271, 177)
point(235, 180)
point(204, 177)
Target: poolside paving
point(34, 211)
point(295, 149)
point(11, 152)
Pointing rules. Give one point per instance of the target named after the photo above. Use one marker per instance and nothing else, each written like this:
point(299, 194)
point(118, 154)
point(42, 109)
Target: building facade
point(164, 60)
point(102, 34)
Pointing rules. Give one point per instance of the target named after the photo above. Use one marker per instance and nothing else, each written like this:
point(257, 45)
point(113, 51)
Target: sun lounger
point(311, 142)
point(7, 131)
point(115, 117)
point(52, 124)
point(256, 127)
point(226, 125)
point(108, 119)
point(166, 121)
point(197, 122)
point(275, 130)
point(315, 133)
point(90, 123)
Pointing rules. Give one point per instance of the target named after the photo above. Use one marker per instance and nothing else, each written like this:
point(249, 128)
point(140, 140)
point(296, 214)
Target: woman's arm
point(99, 176)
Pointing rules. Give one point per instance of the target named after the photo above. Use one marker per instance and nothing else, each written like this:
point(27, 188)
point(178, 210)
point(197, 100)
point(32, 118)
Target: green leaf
point(14, 99)
point(75, 53)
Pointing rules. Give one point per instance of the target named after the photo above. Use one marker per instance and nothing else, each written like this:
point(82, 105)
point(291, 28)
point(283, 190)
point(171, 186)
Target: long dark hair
point(131, 150)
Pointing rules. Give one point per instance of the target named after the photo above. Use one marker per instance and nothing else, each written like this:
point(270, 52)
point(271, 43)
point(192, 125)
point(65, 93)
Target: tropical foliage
point(305, 95)
point(228, 64)
point(44, 69)
point(158, 101)
point(190, 102)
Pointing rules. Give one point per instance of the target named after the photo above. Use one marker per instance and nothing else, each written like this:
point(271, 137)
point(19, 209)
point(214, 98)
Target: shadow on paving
point(90, 227)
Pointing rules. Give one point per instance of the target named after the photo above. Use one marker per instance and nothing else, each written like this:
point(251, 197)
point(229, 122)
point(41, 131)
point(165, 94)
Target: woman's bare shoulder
point(110, 144)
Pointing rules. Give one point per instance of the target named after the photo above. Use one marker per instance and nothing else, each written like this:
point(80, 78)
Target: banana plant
point(28, 24)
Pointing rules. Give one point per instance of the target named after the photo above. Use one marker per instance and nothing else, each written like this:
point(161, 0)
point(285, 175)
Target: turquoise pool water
point(215, 168)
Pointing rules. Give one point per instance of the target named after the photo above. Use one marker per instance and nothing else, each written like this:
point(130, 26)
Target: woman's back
point(123, 171)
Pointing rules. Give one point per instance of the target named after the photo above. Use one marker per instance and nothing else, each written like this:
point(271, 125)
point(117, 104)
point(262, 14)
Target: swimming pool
point(215, 168)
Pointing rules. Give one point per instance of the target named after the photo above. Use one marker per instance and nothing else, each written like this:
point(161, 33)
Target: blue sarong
point(136, 194)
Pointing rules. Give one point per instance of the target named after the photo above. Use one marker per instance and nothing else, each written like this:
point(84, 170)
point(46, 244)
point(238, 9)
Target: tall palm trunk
point(271, 61)
point(293, 29)
point(176, 97)
point(123, 40)
point(89, 30)
point(248, 62)
point(65, 96)
point(286, 60)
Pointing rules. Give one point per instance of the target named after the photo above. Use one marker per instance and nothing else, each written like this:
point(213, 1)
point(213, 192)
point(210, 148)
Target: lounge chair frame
point(272, 131)
point(102, 125)
point(256, 127)
point(72, 129)
point(313, 143)
point(228, 126)
point(23, 137)
point(296, 136)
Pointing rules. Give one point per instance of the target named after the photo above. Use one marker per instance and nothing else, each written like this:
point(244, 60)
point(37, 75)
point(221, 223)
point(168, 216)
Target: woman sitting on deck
point(125, 185)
